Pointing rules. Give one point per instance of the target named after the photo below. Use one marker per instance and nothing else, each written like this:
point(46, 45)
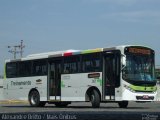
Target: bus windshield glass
point(139, 65)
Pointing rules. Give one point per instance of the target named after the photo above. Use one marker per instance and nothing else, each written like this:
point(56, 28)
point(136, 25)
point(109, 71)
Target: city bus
point(117, 74)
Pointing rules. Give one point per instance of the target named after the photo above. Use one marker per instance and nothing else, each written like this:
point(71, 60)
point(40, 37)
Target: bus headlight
point(130, 89)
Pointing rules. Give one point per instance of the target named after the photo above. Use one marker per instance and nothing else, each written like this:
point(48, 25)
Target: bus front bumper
point(139, 96)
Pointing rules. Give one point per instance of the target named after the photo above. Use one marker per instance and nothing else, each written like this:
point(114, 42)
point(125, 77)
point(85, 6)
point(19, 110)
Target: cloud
point(117, 2)
point(134, 16)
point(124, 3)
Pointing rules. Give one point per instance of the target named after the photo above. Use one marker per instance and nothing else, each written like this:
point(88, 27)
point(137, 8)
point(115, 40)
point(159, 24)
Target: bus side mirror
point(123, 61)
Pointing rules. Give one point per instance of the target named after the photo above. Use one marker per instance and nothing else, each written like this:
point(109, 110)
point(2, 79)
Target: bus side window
point(66, 69)
point(24, 68)
point(39, 67)
point(96, 65)
point(11, 70)
point(71, 64)
point(91, 62)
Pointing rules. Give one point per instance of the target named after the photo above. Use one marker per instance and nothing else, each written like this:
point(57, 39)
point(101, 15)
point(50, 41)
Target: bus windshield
point(139, 67)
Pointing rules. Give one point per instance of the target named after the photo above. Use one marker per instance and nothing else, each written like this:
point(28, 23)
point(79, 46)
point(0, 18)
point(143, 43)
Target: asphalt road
point(82, 106)
point(82, 110)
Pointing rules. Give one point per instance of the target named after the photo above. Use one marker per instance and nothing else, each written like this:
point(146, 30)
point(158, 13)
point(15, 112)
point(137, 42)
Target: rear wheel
point(34, 99)
point(95, 99)
point(123, 104)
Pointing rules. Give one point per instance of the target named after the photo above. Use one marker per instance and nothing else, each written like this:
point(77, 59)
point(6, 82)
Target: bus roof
point(68, 53)
point(51, 53)
point(61, 53)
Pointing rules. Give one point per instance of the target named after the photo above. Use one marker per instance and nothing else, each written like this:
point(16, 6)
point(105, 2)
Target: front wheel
point(123, 104)
point(95, 99)
point(34, 99)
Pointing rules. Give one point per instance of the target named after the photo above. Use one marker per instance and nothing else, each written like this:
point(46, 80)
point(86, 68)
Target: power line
point(14, 50)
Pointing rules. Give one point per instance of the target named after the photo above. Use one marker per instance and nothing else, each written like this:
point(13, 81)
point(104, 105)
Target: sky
point(53, 25)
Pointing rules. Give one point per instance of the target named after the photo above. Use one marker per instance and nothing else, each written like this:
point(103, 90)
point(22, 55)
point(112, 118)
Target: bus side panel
point(75, 86)
point(19, 88)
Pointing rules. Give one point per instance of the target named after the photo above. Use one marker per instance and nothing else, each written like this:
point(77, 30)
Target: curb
point(12, 101)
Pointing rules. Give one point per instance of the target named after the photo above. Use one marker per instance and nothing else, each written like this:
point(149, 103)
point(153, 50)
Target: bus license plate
point(145, 96)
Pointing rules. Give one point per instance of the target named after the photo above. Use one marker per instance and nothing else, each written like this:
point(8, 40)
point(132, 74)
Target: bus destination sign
point(139, 51)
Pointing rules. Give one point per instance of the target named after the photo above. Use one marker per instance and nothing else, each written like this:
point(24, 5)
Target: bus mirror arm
point(123, 60)
point(123, 55)
point(123, 66)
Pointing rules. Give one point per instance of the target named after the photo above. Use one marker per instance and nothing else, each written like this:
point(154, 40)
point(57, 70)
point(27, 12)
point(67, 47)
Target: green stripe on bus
point(4, 71)
point(91, 51)
point(99, 81)
point(62, 84)
point(143, 88)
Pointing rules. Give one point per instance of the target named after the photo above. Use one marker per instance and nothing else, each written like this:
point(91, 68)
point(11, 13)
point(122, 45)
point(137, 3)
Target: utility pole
point(21, 48)
point(14, 50)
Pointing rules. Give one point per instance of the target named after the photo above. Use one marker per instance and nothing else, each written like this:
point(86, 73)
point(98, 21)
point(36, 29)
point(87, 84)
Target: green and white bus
point(115, 74)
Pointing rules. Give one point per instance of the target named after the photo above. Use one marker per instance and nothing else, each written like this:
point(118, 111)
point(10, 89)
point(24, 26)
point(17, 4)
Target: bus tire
point(95, 99)
point(61, 104)
point(123, 104)
point(34, 99)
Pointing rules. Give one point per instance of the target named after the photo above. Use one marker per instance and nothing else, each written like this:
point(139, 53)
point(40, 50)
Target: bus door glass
point(54, 79)
point(111, 73)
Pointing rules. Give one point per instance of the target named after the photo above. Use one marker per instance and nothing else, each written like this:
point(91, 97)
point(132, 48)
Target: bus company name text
point(20, 83)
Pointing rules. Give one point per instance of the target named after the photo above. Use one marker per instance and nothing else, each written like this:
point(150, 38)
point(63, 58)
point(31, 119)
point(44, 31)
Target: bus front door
point(54, 77)
point(111, 74)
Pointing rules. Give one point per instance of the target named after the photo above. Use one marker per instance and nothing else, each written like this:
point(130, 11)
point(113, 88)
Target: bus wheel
point(95, 99)
point(123, 104)
point(34, 99)
point(61, 104)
